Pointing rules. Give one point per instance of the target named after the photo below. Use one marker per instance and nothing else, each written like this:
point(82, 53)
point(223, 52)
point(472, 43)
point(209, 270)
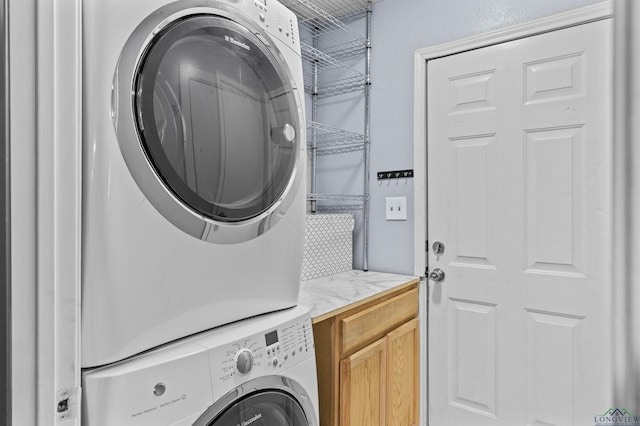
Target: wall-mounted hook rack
point(396, 174)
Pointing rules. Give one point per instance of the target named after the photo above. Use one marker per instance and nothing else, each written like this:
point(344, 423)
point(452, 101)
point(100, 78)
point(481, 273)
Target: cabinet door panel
point(373, 323)
point(403, 375)
point(363, 386)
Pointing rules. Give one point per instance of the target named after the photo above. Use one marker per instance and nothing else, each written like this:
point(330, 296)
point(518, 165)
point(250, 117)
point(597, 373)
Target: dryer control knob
point(244, 361)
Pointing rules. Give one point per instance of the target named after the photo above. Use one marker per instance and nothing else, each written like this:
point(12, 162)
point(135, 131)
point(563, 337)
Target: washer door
point(269, 408)
point(265, 401)
point(211, 125)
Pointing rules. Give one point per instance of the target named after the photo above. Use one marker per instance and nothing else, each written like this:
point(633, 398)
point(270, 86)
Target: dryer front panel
point(209, 124)
point(193, 162)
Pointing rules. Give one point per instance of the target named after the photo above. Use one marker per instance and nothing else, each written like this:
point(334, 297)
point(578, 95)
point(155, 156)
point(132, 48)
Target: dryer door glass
point(267, 408)
point(217, 117)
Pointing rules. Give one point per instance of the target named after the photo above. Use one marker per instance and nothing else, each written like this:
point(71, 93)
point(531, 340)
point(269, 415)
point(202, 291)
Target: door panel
point(519, 187)
point(363, 386)
point(403, 378)
point(474, 158)
point(554, 212)
point(472, 345)
point(553, 376)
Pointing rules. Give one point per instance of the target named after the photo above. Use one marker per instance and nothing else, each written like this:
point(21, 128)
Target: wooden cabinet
point(368, 361)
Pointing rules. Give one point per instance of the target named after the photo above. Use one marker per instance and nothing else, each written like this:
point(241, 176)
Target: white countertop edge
point(327, 294)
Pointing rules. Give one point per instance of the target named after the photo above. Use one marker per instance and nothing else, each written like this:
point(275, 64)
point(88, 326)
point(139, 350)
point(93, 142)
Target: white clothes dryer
point(258, 372)
point(194, 158)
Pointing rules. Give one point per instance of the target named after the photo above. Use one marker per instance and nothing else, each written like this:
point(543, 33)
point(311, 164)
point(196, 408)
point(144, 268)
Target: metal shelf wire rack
point(321, 9)
point(326, 41)
point(336, 197)
point(333, 77)
point(331, 140)
point(318, 21)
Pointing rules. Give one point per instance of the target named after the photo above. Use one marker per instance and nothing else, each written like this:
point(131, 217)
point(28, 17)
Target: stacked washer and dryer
point(193, 216)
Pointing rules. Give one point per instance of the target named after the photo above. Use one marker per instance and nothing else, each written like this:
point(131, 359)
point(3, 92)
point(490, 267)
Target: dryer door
point(214, 135)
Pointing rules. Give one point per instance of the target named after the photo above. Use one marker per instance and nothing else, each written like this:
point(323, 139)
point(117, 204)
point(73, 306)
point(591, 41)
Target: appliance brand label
point(251, 420)
point(160, 407)
point(236, 42)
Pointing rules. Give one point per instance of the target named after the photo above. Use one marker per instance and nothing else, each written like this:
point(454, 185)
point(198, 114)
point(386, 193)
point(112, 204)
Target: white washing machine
point(258, 372)
point(194, 157)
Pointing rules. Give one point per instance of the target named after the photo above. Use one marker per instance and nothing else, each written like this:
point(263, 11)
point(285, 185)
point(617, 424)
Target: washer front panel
point(198, 379)
point(208, 121)
point(262, 395)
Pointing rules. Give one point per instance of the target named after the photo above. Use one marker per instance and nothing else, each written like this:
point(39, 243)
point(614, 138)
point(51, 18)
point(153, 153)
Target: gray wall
point(399, 28)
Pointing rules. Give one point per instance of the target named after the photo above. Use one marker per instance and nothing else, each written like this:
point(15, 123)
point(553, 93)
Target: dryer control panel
point(276, 19)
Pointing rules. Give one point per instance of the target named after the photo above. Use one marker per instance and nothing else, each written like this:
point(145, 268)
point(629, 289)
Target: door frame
point(421, 57)
point(626, 201)
point(5, 224)
point(45, 102)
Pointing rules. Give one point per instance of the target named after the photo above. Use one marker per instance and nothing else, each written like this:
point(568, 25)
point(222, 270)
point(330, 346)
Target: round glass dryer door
point(267, 408)
point(215, 118)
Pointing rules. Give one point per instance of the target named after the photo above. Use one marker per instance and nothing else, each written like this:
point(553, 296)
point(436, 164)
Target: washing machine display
point(213, 379)
point(193, 169)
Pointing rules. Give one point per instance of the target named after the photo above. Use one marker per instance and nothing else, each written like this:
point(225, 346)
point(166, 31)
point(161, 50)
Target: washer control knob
point(244, 361)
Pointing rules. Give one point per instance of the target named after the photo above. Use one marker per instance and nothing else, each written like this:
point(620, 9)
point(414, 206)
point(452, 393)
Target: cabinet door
point(403, 375)
point(363, 386)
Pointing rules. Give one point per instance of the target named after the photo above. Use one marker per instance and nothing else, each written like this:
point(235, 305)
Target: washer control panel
point(263, 353)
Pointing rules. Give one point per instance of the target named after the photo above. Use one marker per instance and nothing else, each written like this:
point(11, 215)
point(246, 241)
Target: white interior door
point(519, 166)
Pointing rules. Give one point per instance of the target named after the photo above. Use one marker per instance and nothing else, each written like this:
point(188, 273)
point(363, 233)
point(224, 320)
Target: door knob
point(436, 275)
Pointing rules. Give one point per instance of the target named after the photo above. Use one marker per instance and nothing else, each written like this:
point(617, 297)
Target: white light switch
point(396, 208)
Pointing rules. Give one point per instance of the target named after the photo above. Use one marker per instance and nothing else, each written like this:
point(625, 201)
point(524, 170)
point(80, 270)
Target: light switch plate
point(396, 208)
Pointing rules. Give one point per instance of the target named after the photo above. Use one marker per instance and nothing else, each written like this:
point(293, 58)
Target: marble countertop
point(328, 294)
